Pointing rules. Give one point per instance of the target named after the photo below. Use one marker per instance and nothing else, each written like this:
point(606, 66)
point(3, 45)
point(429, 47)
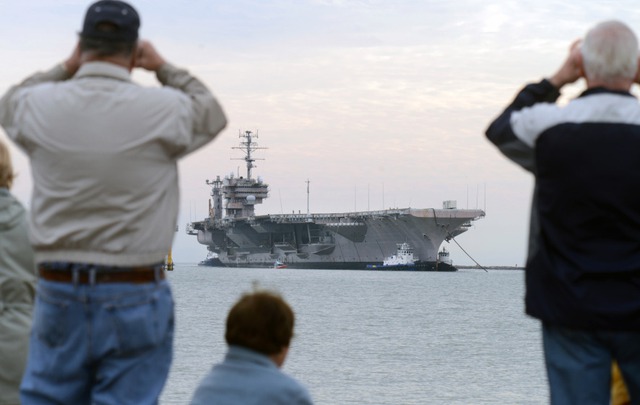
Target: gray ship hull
point(422, 266)
point(353, 240)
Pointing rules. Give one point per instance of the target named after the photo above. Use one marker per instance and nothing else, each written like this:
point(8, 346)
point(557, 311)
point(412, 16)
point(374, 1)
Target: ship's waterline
point(351, 240)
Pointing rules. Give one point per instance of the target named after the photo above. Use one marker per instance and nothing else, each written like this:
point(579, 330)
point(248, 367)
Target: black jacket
point(583, 266)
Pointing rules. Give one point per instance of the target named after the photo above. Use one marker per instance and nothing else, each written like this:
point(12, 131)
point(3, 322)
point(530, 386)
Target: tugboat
point(405, 260)
point(443, 257)
point(403, 257)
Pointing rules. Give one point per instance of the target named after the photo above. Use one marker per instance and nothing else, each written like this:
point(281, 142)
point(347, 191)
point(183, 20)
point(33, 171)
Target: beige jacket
point(103, 154)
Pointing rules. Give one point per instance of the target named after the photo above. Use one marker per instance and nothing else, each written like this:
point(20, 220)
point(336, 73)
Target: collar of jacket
point(239, 353)
point(103, 69)
point(604, 90)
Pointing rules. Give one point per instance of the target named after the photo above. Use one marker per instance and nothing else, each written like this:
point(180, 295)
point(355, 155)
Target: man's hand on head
point(73, 62)
point(572, 68)
point(148, 58)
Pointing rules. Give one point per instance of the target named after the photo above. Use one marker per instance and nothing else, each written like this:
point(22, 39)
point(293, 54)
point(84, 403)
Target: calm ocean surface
point(366, 337)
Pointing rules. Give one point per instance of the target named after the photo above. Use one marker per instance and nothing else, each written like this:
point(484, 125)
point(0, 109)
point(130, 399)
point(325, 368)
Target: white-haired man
point(583, 266)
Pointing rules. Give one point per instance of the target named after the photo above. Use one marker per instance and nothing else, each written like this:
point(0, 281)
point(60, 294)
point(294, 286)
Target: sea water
point(374, 337)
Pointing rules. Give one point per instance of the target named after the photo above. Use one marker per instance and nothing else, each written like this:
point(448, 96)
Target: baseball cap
point(120, 21)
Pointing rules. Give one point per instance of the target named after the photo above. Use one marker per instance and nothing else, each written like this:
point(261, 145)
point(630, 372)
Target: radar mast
point(248, 146)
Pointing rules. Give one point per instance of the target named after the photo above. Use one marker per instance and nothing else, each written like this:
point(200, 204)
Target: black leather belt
point(94, 274)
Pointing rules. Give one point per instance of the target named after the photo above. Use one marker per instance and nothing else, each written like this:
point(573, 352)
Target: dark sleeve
point(500, 132)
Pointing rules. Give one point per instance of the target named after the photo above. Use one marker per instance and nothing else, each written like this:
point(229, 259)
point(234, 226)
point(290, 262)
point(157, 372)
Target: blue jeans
point(103, 344)
point(579, 364)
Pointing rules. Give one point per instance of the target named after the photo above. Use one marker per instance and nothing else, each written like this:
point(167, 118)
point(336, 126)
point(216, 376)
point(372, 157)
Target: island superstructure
point(236, 237)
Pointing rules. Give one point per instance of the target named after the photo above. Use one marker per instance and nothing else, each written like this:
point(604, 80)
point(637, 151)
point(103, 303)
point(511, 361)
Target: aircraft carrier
point(236, 237)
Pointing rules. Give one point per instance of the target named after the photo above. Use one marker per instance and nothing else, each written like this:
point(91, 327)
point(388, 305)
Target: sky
point(377, 103)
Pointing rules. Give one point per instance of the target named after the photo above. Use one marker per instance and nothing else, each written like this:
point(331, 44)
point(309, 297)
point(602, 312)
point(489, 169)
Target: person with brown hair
point(258, 331)
point(17, 285)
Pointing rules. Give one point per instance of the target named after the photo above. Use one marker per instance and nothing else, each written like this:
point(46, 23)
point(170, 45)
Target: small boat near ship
point(443, 256)
point(404, 259)
point(279, 265)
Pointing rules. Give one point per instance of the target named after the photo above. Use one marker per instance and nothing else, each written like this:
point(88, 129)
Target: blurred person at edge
point(583, 265)
point(17, 285)
point(103, 153)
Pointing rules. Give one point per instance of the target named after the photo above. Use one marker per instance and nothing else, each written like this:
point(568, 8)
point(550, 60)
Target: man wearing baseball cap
point(103, 153)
